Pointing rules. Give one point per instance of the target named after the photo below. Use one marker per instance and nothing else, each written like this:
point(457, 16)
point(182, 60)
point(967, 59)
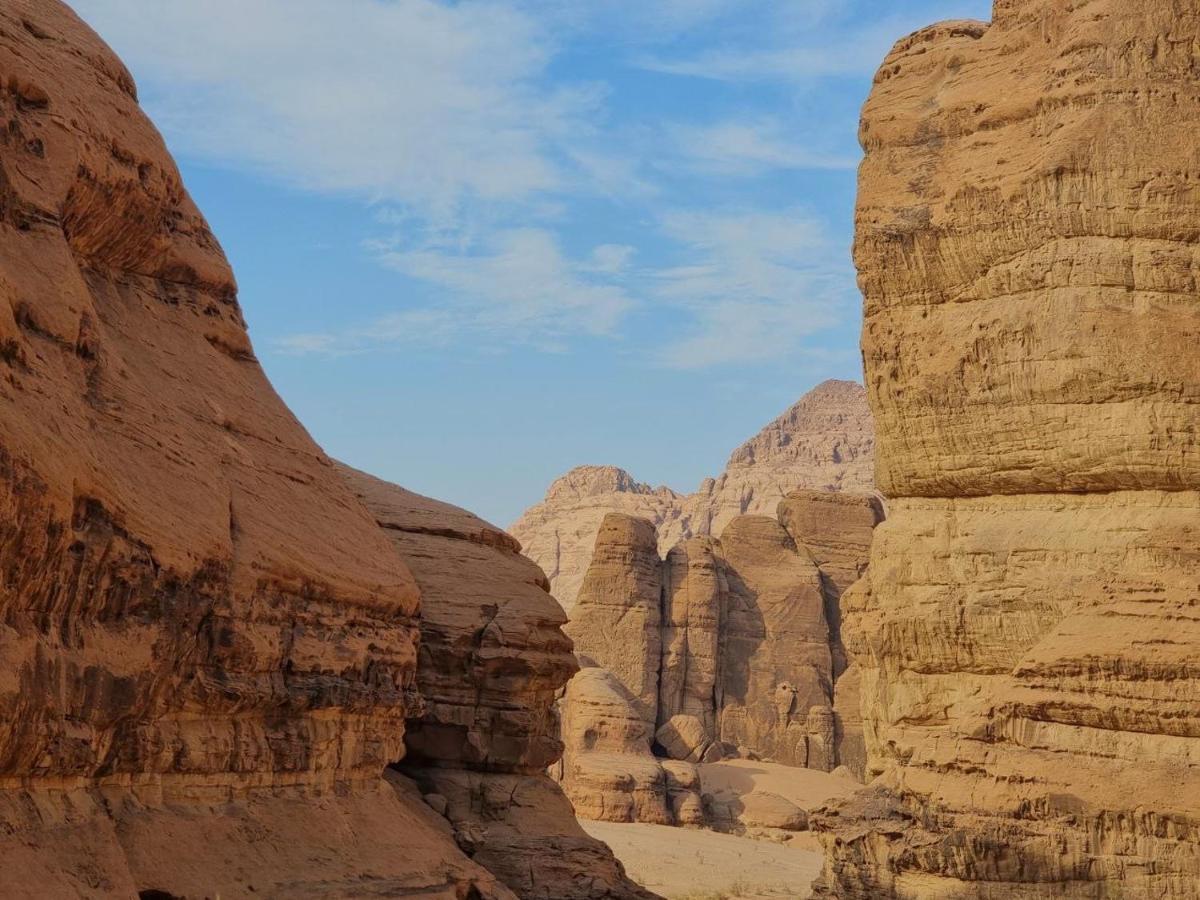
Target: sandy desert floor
point(807, 788)
point(691, 864)
point(687, 863)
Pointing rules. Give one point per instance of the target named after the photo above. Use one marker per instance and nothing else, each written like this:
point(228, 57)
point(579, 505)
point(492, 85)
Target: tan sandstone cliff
point(723, 648)
point(824, 442)
point(1028, 632)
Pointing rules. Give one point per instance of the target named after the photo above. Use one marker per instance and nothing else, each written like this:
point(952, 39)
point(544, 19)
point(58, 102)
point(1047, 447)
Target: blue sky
point(479, 243)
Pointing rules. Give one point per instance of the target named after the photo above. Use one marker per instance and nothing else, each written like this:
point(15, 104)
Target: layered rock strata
point(824, 442)
point(492, 660)
point(1027, 633)
point(722, 648)
point(207, 648)
point(608, 768)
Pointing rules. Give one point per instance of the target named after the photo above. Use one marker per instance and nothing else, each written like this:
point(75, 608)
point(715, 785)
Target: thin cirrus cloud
point(852, 40)
point(460, 116)
point(757, 285)
point(519, 286)
point(413, 101)
point(753, 287)
point(750, 148)
point(522, 284)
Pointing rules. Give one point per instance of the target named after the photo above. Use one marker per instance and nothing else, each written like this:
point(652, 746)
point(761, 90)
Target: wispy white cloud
point(451, 123)
point(756, 285)
point(752, 285)
point(610, 259)
point(749, 148)
point(519, 287)
point(424, 103)
point(853, 42)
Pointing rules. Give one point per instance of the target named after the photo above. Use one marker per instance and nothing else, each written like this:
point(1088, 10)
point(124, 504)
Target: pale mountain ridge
point(825, 441)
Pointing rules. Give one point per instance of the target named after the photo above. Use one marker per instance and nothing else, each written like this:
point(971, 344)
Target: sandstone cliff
point(1027, 247)
point(824, 442)
point(207, 648)
point(723, 648)
point(492, 659)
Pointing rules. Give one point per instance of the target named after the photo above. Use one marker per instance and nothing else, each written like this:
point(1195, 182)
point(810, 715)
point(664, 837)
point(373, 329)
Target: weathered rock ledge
point(493, 658)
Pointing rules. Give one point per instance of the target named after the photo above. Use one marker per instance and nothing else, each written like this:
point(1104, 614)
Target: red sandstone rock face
point(156, 562)
point(493, 657)
point(207, 648)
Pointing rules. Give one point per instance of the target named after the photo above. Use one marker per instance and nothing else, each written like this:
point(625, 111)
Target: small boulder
point(847, 773)
point(763, 809)
point(437, 803)
point(684, 737)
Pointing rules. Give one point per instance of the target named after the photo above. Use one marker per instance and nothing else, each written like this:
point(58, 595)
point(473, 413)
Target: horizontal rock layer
point(208, 650)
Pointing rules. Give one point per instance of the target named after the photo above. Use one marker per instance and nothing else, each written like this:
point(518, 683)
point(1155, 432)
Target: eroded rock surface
point(824, 442)
point(608, 768)
point(721, 649)
point(493, 657)
point(1027, 631)
point(207, 648)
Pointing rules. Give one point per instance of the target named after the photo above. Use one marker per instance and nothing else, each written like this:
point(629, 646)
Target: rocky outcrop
point(722, 648)
point(1027, 630)
point(824, 442)
point(837, 530)
point(694, 585)
point(207, 648)
point(492, 659)
point(776, 661)
point(608, 768)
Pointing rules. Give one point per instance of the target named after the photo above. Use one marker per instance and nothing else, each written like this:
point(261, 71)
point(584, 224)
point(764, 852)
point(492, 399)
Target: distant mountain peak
point(830, 405)
point(591, 481)
point(825, 441)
